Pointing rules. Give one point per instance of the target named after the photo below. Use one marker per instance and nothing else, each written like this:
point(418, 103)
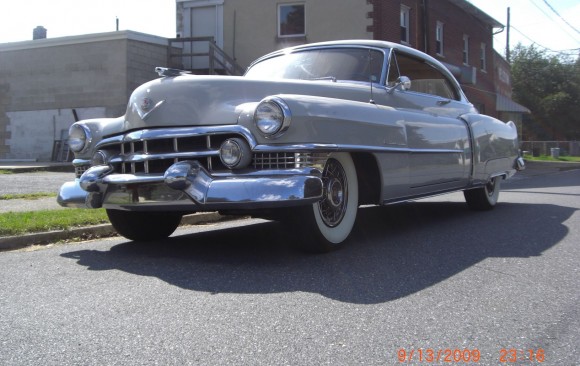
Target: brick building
point(460, 36)
point(454, 31)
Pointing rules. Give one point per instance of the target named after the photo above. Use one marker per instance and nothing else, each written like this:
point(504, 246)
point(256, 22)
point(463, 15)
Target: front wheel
point(326, 224)
point(484, 198)
point(144, 226)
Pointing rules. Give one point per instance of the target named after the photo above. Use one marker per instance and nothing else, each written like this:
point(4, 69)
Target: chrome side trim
point(361, 148)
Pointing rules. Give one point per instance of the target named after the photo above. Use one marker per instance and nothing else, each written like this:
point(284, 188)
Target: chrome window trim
point(384, 51)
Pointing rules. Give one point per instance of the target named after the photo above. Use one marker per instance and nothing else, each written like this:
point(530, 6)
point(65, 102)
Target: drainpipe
point(425, 19)
point(234, 38)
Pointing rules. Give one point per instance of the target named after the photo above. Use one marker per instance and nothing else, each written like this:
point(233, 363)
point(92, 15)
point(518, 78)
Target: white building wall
point(33, 133)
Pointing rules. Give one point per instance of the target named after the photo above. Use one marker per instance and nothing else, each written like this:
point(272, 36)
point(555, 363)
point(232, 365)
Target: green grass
point(5, 171)
point(17, 223)
point(575, 159)
point(26, 196)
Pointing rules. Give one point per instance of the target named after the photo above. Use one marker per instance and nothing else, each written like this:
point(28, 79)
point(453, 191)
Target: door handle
point(443, 102)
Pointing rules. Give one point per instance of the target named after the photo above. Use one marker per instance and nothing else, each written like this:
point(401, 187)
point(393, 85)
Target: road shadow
point(394, 251)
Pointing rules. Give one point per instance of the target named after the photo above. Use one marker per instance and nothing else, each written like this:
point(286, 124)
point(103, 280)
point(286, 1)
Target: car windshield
point(334, 64)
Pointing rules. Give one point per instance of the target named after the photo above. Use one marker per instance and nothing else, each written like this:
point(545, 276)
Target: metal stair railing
point(181, 52)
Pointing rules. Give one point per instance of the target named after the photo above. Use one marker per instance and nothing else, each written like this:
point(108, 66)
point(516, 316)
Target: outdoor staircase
point(201, 55)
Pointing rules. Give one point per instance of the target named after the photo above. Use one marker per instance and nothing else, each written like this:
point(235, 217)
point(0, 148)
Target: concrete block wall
point(42, 81)
point(142, 59)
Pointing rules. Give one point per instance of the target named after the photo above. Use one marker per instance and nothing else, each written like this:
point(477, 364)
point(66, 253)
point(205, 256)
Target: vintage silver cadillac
point(306, 136)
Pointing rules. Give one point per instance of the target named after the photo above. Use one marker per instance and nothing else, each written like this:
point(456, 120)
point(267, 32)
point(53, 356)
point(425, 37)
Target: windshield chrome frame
point(385, 51)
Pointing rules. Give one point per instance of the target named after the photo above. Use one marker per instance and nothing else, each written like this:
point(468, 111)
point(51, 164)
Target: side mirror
point(404, 82)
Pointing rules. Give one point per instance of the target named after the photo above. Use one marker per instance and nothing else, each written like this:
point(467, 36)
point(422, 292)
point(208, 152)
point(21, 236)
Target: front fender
point(99, 127)
point(323, 120)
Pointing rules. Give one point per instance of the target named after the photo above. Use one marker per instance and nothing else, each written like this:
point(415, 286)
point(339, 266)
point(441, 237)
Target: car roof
point(368, 43)
point(351, 42)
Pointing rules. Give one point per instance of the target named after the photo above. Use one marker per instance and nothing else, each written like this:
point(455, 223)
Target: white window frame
point(278, 14)
point(439, 38)
point(483, 57)
point(405, 22)
point(465, 49)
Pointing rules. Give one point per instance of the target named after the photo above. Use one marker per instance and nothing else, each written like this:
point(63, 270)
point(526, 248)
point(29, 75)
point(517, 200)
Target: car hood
point(217, 100)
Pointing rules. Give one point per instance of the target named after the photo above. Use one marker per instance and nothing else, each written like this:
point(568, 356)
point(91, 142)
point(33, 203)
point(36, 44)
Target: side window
point(425, 78)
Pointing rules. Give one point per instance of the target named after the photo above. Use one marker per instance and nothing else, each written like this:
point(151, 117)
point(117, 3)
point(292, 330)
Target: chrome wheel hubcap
point(490, 187)
point(333, 206)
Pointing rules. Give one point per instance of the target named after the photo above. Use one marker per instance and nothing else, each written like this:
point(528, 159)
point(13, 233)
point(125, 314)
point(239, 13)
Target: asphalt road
point(36, 182)
point(22, 183)
point(429, 275)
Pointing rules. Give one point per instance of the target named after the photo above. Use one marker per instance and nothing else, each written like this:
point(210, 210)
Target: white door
point(202, 21)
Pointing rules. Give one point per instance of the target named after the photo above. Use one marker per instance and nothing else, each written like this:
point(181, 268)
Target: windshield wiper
point(331, 78)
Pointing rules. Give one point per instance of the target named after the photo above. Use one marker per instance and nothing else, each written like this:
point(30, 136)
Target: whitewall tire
point(326, 224)
point(486, 197)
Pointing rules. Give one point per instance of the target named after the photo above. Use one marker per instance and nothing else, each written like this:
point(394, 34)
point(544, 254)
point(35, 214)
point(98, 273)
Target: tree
point(550, 87)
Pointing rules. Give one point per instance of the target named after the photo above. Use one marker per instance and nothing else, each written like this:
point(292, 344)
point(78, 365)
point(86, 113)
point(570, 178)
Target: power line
point(565, 30)
point(561, 52)
point(564, 20)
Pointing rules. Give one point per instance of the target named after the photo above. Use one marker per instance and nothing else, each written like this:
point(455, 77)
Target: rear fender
point(495, 147)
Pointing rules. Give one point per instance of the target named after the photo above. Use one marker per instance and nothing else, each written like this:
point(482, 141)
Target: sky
point(533, 21)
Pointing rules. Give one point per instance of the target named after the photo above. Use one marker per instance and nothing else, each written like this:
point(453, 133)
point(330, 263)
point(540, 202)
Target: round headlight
point(235, 153)
point(272, 117)
point(79, 137)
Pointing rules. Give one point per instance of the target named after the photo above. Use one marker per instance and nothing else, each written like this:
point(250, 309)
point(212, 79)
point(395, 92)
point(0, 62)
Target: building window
point(291, 20)
point(439, 38)
point(482, 58)
point(405, 24)
point(466, 49)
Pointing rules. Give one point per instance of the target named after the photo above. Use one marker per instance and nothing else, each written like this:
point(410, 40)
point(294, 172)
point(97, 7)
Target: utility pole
point(507, 43)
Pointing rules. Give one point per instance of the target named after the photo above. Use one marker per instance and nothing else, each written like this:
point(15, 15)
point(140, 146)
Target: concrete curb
point(96, 231)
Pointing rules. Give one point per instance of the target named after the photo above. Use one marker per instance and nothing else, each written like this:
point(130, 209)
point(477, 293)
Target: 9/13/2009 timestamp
point(506, 355)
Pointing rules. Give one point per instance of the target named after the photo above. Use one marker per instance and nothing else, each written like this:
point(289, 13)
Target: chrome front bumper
point(187, 186)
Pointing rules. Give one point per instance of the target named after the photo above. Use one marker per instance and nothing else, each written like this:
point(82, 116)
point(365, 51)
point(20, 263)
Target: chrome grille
point(154, 151)
point(288, 160)
point(157, 155)
point(80, 169)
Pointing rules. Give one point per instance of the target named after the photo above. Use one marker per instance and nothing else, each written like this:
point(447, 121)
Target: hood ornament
point(168, 72)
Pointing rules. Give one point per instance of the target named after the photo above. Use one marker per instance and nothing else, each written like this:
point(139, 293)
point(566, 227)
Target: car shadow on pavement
point(394, 251)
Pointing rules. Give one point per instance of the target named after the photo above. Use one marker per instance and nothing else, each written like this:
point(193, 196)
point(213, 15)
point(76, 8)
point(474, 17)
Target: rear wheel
point(326, 224)
point(484, 198)
point(144, 226)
